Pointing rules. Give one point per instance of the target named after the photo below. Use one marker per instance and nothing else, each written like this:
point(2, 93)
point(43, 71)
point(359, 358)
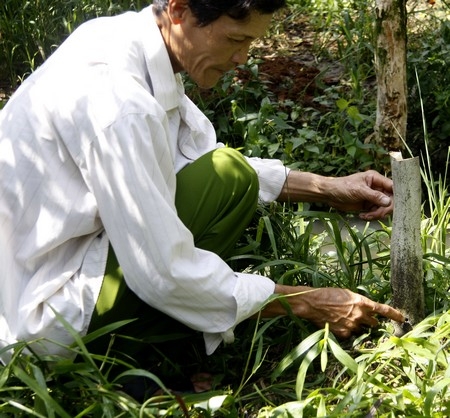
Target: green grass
point(282, 367)
point(31, 30)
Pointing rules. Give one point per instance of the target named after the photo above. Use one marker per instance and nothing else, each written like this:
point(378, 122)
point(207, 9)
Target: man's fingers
point(376, 213)
point(384, 200)
point(379, 182)
point(341, 333)
point(371, 322)
point(389, 312)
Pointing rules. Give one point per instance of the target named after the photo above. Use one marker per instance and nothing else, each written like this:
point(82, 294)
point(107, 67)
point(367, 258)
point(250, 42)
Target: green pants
point(216, 198)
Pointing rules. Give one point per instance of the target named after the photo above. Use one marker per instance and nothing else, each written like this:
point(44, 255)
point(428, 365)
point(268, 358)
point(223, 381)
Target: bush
point(31, 30)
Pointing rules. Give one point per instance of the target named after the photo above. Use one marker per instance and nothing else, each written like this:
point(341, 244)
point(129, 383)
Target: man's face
point(206, 53)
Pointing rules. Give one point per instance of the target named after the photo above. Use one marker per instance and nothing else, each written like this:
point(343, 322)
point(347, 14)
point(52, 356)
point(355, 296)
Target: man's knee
point(231, 166)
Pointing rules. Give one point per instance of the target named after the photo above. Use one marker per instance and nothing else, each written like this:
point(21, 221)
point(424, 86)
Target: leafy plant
point(405, 376)
point(31, 30)
point(281, 367)
point(428, 65)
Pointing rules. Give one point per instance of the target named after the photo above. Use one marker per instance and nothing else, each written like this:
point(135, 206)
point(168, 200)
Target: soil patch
point(289, 79)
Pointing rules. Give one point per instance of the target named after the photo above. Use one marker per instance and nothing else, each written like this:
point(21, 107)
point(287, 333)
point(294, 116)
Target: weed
point(283, 366)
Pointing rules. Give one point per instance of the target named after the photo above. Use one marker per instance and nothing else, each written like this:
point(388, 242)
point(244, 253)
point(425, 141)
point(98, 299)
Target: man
point(105, 162)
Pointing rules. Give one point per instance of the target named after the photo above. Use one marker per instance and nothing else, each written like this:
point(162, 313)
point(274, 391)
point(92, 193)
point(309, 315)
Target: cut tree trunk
point(390, 68)
point(406, 248)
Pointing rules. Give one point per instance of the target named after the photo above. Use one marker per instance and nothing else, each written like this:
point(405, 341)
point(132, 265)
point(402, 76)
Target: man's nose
point(240, 56)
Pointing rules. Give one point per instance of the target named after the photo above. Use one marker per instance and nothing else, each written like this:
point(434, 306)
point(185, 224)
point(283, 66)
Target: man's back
point(51, 234)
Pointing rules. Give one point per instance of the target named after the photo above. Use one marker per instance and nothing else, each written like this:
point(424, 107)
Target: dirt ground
point(290, 65)
point(290, 78)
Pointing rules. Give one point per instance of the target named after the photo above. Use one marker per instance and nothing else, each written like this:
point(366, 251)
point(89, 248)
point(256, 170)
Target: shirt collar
point(167, 87)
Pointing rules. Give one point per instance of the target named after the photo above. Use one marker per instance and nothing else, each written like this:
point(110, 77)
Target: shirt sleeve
point(272, 175)
point(249, 287)
point(130, 169)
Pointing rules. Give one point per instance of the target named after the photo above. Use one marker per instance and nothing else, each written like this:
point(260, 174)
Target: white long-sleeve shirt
point(90, 146)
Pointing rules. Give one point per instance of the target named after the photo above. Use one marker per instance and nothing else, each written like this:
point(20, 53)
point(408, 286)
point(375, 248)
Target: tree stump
point(406, 248)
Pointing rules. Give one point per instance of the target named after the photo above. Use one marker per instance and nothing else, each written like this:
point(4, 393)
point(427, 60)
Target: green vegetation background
point(283, 367)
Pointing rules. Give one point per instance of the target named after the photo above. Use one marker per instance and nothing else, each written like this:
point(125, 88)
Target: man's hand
point(345, 311)
point(368, 193)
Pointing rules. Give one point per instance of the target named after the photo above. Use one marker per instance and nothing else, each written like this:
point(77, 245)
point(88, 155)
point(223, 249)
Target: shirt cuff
point(272, 175)
point(251, 292)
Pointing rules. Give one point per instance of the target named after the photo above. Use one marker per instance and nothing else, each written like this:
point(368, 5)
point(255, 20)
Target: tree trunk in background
point(390, 67)
point(406, 248)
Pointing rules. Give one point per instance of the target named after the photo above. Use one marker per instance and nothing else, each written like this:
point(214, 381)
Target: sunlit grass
point(282, 367)
point(287, 364)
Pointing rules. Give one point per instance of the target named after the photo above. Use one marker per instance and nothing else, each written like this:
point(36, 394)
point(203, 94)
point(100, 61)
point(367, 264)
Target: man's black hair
point(207, 11)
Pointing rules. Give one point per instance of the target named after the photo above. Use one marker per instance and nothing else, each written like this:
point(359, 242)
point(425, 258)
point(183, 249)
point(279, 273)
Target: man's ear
point(176, 9)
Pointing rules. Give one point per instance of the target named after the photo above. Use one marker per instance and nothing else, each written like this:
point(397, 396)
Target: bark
point(390, 68)
point(406, 248)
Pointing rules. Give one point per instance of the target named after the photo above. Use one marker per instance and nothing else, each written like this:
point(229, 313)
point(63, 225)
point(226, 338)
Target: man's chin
point(207, 86)
point(210, 82)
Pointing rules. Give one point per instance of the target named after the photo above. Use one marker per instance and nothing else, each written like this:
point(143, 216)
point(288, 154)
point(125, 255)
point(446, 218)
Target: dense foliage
point(283, 367)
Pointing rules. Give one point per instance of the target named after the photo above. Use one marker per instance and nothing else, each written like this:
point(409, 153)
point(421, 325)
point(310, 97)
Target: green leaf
point(216, 403)
point(342, 356)
point(301, 375)
point(143, 373)
point(273, 148)
point(323, 356)
point(300, 350)
point(431, 394)
point(296, 142)
point(353, 112)
point(40, 391)
point(342, 104)
point(271, 234)
point(312, 148)
point(107, 329)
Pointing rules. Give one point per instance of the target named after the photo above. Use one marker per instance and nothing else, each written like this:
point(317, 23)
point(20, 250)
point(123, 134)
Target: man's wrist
point(295, 297)
point(306, 187)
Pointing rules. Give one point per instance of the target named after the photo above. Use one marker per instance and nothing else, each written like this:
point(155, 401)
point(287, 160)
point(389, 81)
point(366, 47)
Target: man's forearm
point(304, 187)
